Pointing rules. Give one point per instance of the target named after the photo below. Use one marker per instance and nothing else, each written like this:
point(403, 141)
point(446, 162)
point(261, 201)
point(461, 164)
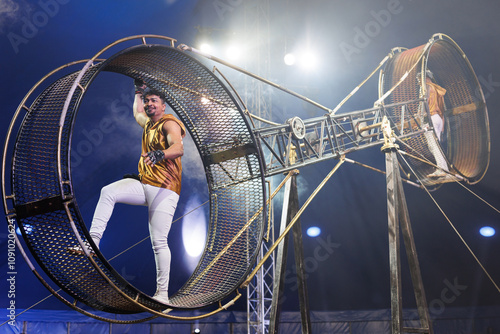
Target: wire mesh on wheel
point(46, 211)
point(465, 142)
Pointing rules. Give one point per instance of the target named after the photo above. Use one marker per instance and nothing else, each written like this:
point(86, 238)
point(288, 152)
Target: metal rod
point(280, 260)
point(289, 227)
point(411, 253)
point(298, 250)
point(337, 118)
point(369, 127)
point(458, 233)
point(394, 242)
point(398, 216)
point(243, 229)
point(379, 171)
point(239, 69)
point(359, 86)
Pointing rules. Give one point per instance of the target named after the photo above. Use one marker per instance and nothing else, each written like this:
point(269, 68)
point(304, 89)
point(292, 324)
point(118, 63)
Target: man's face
point(153, 106)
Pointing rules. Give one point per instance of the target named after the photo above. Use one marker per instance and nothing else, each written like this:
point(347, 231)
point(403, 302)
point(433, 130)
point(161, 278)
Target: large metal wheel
point(42, 203)
point(466, 142)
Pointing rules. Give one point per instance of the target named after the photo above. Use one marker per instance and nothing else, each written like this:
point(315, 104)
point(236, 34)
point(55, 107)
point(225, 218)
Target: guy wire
point(452, 226)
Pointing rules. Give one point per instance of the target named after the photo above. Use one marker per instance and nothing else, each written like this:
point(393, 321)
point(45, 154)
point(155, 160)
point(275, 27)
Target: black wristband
point(156, 156)
point(139, 86)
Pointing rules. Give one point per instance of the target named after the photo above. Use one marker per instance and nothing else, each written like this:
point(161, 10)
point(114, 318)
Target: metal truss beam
point(303, 142)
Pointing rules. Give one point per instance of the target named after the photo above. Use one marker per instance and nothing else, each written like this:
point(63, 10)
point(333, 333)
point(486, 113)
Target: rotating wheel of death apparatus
point(464, 143)
point(46, 206)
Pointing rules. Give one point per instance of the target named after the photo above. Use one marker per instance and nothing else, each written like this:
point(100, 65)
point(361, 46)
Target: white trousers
point(161, 204)
point(438, 125)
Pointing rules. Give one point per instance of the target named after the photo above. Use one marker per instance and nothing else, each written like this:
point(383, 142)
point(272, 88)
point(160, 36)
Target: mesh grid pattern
point(218, 127)
point(231, 161)
point(468, 130)
point(35, 178)
point(465, 142)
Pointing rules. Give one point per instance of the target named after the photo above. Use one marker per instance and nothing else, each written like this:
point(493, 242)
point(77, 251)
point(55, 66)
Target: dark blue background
point(351, 209)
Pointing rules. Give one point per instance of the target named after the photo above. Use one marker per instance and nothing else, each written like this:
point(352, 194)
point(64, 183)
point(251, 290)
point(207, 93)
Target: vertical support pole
point(299, 263)
point(394, 243)
point(416, 276)
point(397, 212)
point(280, 262)
point(290, 209)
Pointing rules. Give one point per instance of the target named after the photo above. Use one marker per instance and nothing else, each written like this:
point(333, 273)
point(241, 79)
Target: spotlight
point(206, 48)
point(487, 231)
point(309, 60)
point(194, 229)
point(197, 331)
point(289, 59)
point(233, 52)
point(313, 231)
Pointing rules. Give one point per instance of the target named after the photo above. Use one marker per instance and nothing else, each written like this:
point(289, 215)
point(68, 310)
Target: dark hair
point(148, 92)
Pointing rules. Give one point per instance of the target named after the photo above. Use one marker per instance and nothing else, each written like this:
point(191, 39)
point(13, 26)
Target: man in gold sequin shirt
point(158, 185)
